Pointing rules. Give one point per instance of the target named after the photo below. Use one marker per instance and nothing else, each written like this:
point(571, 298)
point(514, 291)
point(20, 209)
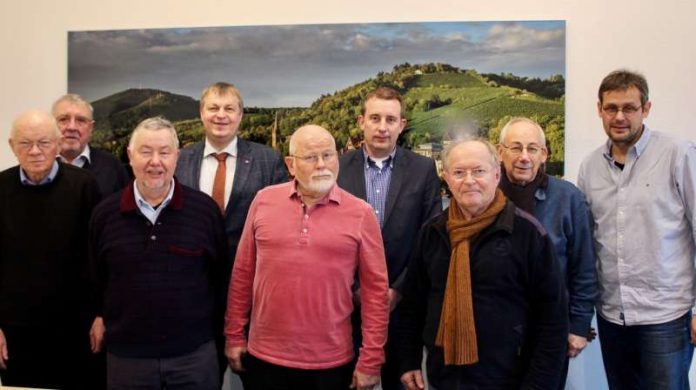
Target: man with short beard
point(302, 244)
point(641, 189)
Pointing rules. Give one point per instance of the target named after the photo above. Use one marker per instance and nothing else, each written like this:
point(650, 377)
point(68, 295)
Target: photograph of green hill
point(494, 71)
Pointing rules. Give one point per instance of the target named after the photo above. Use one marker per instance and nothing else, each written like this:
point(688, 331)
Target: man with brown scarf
point(561, 209)
point(483, 291)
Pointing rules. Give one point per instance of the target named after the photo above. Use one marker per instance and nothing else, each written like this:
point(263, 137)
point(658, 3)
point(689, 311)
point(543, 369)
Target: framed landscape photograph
point(452, 76)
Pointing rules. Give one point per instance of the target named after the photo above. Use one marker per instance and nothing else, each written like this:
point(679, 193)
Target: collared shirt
point(377, 181)
point(294, 270)
point(210, 164)
point(79, 161)
point(644, 230)
point(149, 211)
point(49, 178)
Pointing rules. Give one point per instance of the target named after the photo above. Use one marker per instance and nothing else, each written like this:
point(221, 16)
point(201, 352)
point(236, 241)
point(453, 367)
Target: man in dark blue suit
point(229, 169)
point(75, 120)
point(401, 186)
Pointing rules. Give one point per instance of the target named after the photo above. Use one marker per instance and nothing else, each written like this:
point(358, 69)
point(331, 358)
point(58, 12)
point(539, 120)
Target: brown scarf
point(457, 331)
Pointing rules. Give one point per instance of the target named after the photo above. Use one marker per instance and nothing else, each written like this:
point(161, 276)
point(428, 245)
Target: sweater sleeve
point(582, 273)
point(372, 274)
point(239, 298)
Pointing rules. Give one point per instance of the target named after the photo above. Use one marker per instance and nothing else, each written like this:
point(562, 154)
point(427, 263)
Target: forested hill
point(436, 96)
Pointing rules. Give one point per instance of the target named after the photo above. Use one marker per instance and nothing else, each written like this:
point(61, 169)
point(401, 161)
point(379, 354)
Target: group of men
point(339, 278)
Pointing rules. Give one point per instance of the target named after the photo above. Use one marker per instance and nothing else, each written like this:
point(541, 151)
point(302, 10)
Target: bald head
point(308, 133)
point(34, 139)
point(32, 119)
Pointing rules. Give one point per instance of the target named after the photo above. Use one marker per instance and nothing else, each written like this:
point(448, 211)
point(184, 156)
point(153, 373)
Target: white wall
point(655, 37)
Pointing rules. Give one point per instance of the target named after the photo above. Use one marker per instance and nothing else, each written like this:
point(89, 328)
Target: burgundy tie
point(219, 183)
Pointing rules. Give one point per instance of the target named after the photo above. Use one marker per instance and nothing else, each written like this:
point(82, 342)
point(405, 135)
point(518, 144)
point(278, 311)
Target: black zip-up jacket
point(520, 306)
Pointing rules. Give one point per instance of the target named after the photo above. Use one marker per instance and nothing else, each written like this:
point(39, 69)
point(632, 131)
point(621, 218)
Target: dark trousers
point(44, 357)
point(650, 357)
point(196, 370)
point(261, 375)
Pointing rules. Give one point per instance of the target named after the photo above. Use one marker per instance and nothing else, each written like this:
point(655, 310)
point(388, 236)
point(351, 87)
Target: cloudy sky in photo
point(283, 66)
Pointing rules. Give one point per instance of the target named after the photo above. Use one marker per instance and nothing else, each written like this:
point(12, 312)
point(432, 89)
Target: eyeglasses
point(517, 149)
point(79, 120)
point(627, 110)
point(314, 158)
point(461, 174)
point(43, 144)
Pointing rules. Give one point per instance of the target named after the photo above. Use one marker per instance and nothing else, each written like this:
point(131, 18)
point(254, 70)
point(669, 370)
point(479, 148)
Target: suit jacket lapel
point(397, 179)
point(241, 171)
point(194, 167)
point(355, 180)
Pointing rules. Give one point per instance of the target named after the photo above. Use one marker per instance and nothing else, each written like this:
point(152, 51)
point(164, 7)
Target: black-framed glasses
point(629, 109)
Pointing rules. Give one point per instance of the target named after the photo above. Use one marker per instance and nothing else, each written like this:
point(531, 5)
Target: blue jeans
point(647, 356)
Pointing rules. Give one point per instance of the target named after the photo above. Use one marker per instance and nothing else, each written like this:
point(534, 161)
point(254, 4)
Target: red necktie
point(219, 183)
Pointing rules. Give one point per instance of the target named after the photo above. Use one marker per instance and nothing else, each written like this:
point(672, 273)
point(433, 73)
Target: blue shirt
point(377, 184)
point(150, 212)
point(644, 231)
point(49, 178)
point(561, 208)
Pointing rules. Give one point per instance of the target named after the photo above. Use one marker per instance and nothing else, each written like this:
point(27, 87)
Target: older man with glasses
point(45, 207)
point(301, 247)
point(561, 208)
point(483, 291)
point(641, 188)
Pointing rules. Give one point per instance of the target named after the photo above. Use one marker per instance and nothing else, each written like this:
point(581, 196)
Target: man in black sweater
point(159, 253)
point(45, 208)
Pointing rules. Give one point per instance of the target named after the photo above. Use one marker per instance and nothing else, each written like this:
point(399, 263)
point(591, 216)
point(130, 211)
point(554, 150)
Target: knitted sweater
point(43, 248)
point(160, 288)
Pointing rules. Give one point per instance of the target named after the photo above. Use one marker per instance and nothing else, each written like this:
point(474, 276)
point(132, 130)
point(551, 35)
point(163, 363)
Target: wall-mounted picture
point(452, 76)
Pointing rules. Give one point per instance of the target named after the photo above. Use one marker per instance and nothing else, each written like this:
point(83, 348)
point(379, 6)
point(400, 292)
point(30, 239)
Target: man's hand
point(363, 381)
point(234, 357)
point(575, 345)
point(413, 380)
point(3, 351)
point(693, 330)
point(96, 335)
point(394, 299)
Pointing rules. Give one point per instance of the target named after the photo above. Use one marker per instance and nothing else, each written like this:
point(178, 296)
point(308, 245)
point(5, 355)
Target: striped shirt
point(377, 181)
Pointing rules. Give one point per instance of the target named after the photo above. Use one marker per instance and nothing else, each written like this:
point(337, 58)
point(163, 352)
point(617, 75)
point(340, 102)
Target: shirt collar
point(230, 149)
point(389, 161)
point(81, 159)
point(129, 204)
point(24, 179)
point(639, 146)
point(140, 201)
point(334, 195)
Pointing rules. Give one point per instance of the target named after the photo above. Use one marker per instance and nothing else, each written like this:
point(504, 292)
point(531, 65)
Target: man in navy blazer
point(403, 189)
point(246, 168)
point(249, 168)
point(74, 116)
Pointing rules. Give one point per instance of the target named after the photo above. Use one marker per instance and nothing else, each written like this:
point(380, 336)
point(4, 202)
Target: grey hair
point(154, 124)
point(75, 99)
point(521, 119)
point(495, 162)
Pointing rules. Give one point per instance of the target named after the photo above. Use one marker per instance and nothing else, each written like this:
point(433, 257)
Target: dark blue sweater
point(161, 289)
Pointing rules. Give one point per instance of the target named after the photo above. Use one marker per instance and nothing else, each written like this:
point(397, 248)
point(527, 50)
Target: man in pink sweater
point(302, 244)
